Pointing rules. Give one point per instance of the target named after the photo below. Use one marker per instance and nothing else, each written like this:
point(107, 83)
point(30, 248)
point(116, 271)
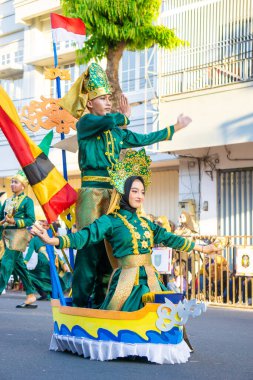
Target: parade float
point(155, 331)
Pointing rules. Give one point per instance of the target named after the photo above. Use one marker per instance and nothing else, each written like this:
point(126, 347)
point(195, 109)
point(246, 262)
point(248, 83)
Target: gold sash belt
point(129, 277)
point(95, 178)
point(16, 239)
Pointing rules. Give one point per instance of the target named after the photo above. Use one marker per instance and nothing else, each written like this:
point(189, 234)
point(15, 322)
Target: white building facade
point(207, 167)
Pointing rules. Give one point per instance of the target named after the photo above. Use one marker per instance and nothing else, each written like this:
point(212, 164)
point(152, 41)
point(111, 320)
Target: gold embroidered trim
point(95, 178)
point(132, 231)
point(66, 241)
point(98, 92)
point(186, 245)
point(21, 223)
point(129, 277)
point(123, 289)
point(169, 133)
point(131, 261)
point(145, 223)
point(110, 144)
point(125, 120)
point(15, 201)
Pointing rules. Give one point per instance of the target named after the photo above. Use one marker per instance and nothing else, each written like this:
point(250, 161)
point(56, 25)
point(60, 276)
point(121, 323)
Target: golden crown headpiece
point(135, 163)
point(21, 177)
point(90, 85)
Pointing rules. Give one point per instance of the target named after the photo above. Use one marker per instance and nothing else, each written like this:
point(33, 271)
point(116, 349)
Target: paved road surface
point(223, 341)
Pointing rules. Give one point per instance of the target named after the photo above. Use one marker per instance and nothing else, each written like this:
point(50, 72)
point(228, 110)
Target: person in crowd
point(40, 276)
point(17, 213)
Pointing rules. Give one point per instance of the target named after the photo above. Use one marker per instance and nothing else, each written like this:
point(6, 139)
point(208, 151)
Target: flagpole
point(56, 285)
point(64, 160)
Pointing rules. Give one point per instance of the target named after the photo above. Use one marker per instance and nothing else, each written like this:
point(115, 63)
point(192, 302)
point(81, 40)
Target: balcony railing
point(206, 76)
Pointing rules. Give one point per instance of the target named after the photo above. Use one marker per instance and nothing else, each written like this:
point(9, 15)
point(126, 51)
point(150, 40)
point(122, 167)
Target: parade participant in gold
point(17, 213)
point(131, 236)
point(100, 140)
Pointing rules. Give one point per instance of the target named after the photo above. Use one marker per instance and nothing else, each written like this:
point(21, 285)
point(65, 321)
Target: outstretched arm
point(92, 234)
point(135, 140)
point(178, 242)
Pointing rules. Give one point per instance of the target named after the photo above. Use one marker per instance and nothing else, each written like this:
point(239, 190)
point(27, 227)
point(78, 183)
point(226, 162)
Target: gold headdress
point(21, 177)
point(135, 163)
point(91, 84)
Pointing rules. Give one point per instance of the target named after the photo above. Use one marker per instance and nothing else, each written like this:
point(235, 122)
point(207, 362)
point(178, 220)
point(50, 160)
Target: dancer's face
point(100, 106)
point(137, 194)
point(16, 186)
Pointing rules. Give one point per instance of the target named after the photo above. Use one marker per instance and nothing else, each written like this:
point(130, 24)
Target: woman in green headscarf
point(131, 236)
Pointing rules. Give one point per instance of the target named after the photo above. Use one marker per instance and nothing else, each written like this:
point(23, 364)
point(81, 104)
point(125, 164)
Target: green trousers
point(92, 268)
point(14, 260)
point(41, 278)
point(91, 276)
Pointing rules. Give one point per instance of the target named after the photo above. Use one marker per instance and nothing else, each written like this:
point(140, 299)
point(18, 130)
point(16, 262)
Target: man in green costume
point(100, 141)
point(16, 214)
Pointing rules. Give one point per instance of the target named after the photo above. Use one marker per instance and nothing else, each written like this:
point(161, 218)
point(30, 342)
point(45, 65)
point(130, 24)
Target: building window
point(18, 56)
point(133, 70)
point(63, 45)
point(14, 88)
point(6, 59)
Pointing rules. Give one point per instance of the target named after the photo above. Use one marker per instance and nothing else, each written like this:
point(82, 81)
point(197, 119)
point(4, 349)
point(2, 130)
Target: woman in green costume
point(130, 235)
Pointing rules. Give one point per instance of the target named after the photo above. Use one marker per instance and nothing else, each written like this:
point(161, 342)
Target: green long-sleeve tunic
point(24, 213)
point(24, 216)
point(40, 275)
point(100, 141)
point(129, 235)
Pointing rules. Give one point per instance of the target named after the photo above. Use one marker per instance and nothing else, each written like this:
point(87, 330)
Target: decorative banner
point(244, 261)
point(162, 259)
point(47, 114)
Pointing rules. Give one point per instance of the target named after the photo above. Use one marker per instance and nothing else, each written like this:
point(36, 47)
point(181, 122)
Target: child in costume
point(17, 213)
point(131, 236)
point(100, 141)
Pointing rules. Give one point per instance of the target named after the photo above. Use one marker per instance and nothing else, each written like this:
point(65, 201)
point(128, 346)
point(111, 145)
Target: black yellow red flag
point(53, 192)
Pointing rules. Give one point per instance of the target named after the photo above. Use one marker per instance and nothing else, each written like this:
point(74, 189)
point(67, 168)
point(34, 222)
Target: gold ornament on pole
point(47, 114)
point(55, 72)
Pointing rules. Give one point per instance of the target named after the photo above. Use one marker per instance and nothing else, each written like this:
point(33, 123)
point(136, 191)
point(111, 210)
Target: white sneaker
point(4, 291)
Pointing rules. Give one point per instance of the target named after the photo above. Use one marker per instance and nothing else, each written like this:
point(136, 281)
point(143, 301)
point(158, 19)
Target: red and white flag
point(66, 28)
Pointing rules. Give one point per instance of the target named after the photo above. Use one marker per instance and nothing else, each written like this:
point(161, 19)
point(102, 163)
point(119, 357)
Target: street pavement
point(222, 339)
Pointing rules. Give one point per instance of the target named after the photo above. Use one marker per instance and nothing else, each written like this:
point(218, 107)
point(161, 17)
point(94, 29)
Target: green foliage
point(111, 22)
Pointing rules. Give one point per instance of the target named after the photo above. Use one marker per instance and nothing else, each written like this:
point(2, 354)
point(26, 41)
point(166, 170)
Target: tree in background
point(115, 25)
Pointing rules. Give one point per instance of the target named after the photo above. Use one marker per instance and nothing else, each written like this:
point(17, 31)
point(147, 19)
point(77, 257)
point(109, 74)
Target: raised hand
point(124, 106)
point(182, 122)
